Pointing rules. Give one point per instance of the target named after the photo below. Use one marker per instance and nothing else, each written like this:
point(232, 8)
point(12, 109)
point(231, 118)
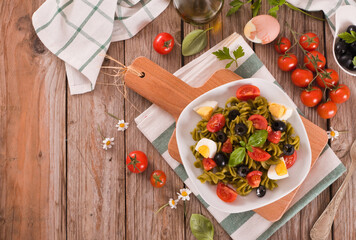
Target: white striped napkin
point(159, 130)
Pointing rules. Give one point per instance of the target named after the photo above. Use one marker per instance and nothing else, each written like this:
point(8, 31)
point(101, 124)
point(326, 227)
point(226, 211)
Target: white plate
point(188, 120)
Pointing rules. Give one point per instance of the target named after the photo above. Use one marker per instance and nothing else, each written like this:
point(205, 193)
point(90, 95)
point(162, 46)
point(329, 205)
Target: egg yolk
point(281, 169)
point(204, 151)
point(277, 110)
point(205, 112)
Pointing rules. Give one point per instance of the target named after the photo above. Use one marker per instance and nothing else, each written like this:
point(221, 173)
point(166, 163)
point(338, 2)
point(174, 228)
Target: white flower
point(173, 203)
point(108, 142)
point(184, 194)
point(333, 134)
point(122, 125)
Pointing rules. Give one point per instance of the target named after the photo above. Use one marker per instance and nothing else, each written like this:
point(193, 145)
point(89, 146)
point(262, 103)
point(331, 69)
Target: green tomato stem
point(299, 10)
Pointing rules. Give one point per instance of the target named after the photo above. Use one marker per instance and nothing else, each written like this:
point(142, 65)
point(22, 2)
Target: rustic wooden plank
point(299, 226)
point(32, 118)
point(96, 178)
point(345, 221)
point(142, 200)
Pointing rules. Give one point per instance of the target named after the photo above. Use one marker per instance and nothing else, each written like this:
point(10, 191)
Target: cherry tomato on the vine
point(158, 179)
point(163, 43)
point(328, 77)
point(287, 62)
point(136, 162)
point(340, 94)
point(302, 77)
point(311, 97)
point(309, 41)
point(317, 58)
point(282, 45)
point(327, 110)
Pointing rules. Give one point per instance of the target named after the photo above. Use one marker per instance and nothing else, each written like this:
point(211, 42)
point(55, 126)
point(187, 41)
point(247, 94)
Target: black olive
point(288, 149)
point(346, 60)
point(243, 170)
point(352, 48)
point(351, 28)
point(261, 191)
point(279, 126)
point(221, 137)
point(241, 129)
point(341, 47)
point(220, 159)
point(233, 114)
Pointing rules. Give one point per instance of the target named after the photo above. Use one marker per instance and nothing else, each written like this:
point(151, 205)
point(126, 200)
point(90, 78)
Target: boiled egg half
point(278, 171)
point(279, 111)
point(206, 109)
point(206, 147)
point(262, 29)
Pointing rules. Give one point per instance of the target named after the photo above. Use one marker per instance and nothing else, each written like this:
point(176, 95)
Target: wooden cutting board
point(173, 95)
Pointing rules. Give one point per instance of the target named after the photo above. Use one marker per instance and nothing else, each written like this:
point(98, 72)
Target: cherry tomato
point(317, 58)
point(340, 94)
point(136, 162)
point(259, 154)
point(226, 193)
point(274, 136)
point(302, 77)
point(254, 178)
point(327, 110)
point(208, 164)
point(329, 77)
point(163, 43)
point(311, 97)
point(158, 179)
point(258, 121)
point(247, 92)
point(227, 146)
point(282, 45)
point(287, 62)
point(290, 160)
point(216, 123)
point(309, 41)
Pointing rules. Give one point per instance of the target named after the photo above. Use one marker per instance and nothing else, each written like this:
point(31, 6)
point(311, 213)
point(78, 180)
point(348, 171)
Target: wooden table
point(55, 180)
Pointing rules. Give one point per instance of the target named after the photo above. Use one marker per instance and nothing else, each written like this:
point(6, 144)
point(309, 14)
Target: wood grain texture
point(32, 135)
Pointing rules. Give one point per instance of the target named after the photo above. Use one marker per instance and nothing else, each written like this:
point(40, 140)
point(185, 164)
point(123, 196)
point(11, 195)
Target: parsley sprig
point(224, 54)
point(348, 37)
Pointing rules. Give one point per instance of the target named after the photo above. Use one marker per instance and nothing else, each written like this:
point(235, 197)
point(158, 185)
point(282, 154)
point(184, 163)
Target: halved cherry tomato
point(317, 58)
point(227, 146)
point(274, 136)
point(329, 77)
point(282, 45)
point(163, 43)
point(136, 162)
point(208, 164)
point(311, 97)
point(290, 160)
point(259, 154)
point(247, 92)
point(258, 121)
point(327, 110)
point(287, 62)
point(254, 178)
point(158, 179)
point(309, 41)
point(340, 94)
point(302, 77)
point(216, 123)
point(226, 193)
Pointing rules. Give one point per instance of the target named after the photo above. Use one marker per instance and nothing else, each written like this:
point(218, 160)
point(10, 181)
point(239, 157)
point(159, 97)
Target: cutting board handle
point(160, 86)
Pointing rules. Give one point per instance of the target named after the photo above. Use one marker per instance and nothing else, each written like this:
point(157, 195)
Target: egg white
point(210, 144)
point(272, 174)
point(287, 114)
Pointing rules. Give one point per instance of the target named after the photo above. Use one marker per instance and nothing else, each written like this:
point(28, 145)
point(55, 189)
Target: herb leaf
point(348, 37)
point(258, 138)
point(225, 54)
point(354, 61)
point(194, 42)
point(237, 156)
point(201, 227)
point(236, 5)
point(256, 7)
point(273, 11)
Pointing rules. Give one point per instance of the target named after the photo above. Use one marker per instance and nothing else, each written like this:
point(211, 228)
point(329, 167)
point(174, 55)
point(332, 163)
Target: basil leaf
point(237, 156)
point(258, 138)
point(194, 42)
point(243, 144)
point(249, 148)
point(201, 227)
